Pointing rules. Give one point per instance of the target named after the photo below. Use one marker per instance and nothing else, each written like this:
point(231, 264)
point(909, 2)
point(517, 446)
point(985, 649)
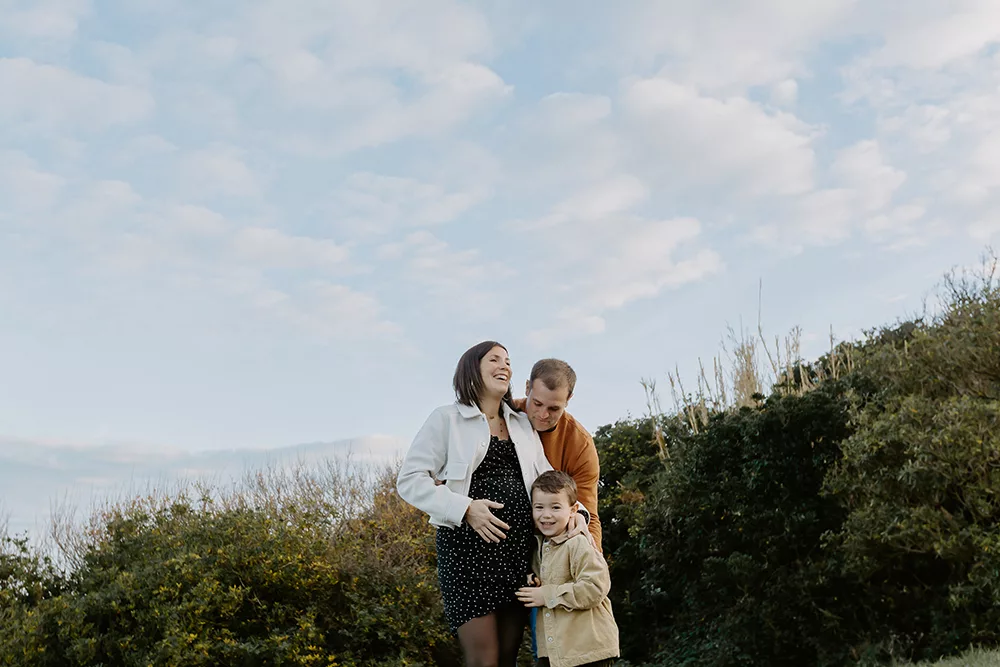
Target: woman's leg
point(480, 643)
point(511, 620)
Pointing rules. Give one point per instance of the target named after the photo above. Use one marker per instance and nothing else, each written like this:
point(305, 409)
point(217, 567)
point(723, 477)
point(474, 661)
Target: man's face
point(545, 407)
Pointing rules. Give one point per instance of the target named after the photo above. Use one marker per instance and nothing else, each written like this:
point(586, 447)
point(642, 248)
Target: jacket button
point(550, 638)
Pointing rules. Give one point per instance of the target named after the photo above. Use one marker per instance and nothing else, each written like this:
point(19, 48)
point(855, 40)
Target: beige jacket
point(576, 625)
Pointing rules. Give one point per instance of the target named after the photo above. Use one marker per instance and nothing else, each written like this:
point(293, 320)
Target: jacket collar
point(558, 539)
point(470, 411)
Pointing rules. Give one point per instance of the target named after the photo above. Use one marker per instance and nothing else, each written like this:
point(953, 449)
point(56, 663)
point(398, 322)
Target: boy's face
point(551, 512)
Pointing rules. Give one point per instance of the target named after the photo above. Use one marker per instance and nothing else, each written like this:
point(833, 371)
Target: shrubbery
point(850, 516)
point(291, 570)
point(920, 477)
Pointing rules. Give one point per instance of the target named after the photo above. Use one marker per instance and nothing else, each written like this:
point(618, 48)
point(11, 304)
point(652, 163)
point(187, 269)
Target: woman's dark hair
point(468, 380)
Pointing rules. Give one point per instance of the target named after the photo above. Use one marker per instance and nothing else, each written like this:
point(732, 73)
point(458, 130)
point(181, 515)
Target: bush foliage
point(268, 576)
point(847, 517)
point(850, 516)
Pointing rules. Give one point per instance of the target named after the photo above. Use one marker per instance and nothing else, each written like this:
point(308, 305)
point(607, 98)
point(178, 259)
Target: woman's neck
point(490, 405)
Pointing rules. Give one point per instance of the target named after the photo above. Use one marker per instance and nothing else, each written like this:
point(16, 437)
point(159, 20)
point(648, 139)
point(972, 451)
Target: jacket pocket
point(454, 476)
point(454, 471)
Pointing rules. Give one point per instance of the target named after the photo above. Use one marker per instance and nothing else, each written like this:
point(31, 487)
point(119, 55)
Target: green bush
point(630, 462)
point(734, 571)
point(253, 578)
point(920, 477)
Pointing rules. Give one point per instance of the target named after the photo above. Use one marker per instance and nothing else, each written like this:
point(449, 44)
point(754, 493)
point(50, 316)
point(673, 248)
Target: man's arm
point(585, 469)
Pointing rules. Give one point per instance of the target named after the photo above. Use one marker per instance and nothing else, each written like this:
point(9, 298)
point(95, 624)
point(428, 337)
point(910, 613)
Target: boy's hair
point(555, 481)
point(553, 373)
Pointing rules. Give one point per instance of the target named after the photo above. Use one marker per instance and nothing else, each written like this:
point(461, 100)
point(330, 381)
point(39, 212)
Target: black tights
point(494, 640)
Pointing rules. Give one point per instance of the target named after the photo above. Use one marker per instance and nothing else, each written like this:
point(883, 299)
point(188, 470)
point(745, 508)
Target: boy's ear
point(572, 508)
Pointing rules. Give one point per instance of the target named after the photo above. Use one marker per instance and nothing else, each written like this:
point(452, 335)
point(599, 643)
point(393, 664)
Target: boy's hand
point(531, 596)
point(533, 580)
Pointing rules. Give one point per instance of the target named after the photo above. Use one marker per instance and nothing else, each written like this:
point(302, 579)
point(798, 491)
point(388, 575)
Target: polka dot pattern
point(478, 577)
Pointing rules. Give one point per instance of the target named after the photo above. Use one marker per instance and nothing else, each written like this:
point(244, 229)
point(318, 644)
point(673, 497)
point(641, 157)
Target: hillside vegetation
point(838, 511)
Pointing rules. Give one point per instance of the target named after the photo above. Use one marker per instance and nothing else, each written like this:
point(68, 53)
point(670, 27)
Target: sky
point(248, 225)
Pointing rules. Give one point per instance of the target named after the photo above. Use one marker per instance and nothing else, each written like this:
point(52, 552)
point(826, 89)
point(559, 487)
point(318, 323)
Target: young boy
point(576, 626)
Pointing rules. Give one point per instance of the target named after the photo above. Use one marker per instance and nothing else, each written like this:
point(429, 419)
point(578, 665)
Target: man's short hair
point(555, 481)
point(553, 373)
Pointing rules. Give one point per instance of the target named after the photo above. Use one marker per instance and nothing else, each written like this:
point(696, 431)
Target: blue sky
point(262, 223)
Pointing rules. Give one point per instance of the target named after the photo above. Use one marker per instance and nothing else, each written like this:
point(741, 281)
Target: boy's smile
point(551, 512)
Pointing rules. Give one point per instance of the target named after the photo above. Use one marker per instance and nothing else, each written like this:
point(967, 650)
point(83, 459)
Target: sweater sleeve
point(590, 580)
point(586, 471)
point(427, 457)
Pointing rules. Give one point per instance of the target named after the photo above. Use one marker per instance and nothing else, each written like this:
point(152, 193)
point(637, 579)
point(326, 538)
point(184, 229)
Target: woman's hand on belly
point(482, 520)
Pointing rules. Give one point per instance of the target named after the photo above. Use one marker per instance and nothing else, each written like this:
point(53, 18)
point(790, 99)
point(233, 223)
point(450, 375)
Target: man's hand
point(531, 597)
point(578, 526)
point(484, 522)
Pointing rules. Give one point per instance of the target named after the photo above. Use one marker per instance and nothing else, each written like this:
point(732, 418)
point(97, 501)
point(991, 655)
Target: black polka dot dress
point(477, 577)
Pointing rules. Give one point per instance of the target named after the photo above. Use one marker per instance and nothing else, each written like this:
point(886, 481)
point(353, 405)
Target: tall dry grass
point(749, 367)
point(324, 494)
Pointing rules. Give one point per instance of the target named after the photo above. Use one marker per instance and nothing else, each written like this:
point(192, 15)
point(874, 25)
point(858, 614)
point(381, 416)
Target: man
point(567, 444)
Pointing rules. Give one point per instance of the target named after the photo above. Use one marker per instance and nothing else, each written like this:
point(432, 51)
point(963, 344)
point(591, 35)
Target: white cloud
point(632, 259)
point(927, 126)
point(42, 19)
point(330, 311)
point(727, 47)
point(433, 263)
point(820, 217)
point(145, 146)
point(346, 76)
point(933, 88)
point(121, 64)
point(274, 248)
point(560, 112)
point(567, 324)
point(562, 142)
point(644, 262)
point(389, 34)
point(25, 187)
point(196, 220)
point(730, 143)
point(453, 94)
point(373, 204)
point(863, 168)
point(984, 230)
point(785, 93)
point(219, 170)
point(101, 201)
point(41, 96)
point(595, 203)
point(932, 35)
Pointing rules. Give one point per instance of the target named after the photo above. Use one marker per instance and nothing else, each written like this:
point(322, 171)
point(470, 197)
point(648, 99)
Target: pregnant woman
point(487, 455)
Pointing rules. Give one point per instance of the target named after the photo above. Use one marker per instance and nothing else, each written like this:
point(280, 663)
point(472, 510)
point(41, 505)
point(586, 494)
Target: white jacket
point(450, 446)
